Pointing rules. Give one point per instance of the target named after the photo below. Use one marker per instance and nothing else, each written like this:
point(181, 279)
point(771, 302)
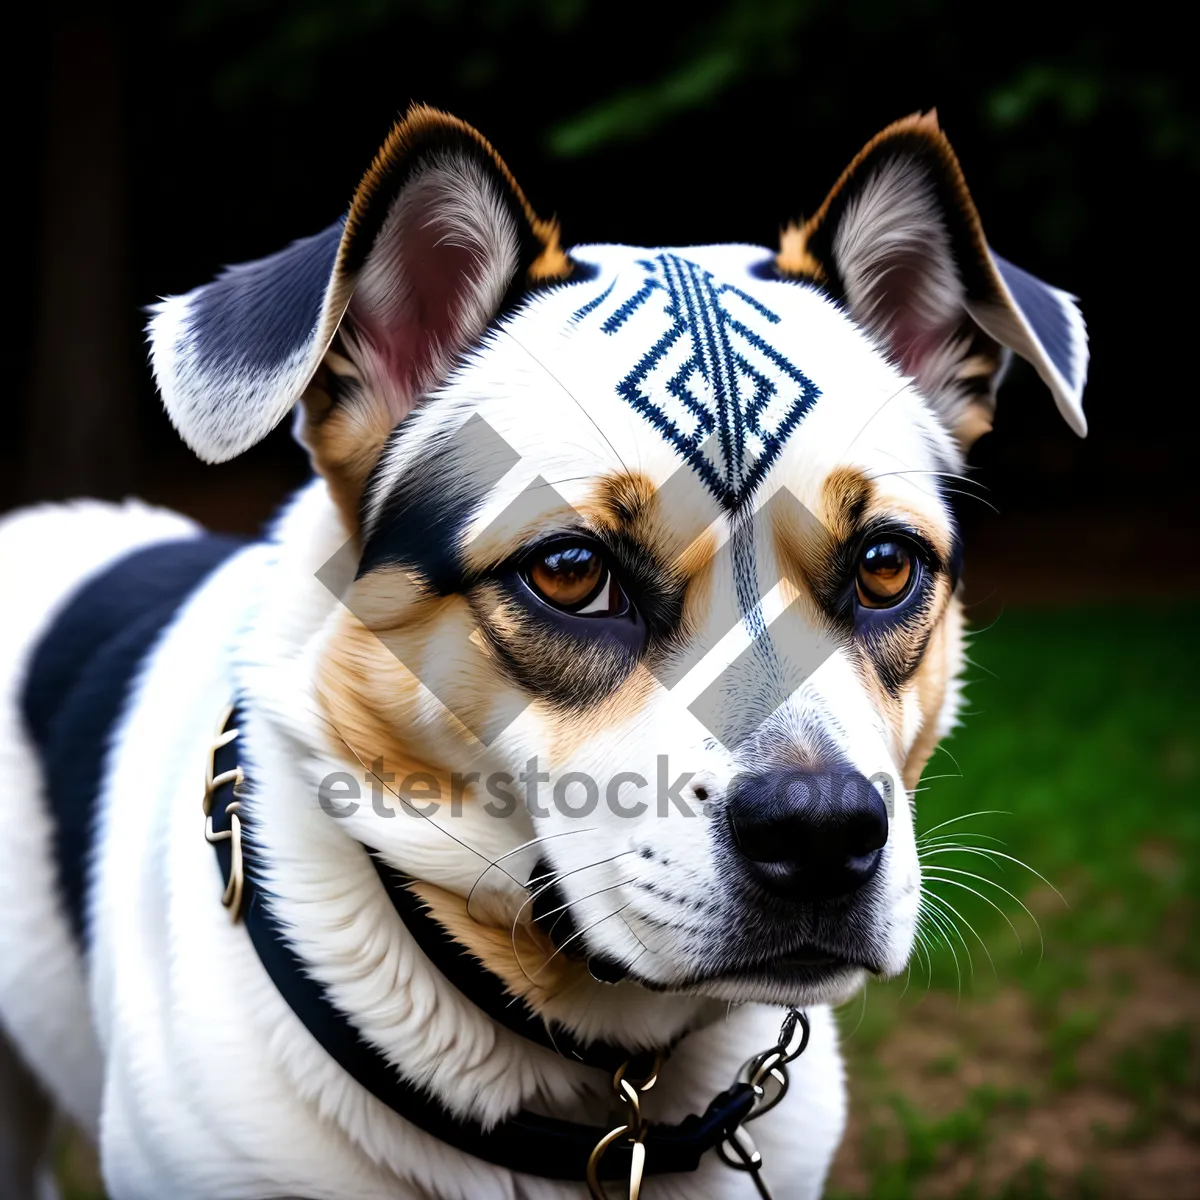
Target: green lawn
point(1069, 1070)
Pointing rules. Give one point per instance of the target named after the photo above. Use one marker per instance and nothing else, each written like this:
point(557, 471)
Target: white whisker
point(986, 900)
point(983, 812)
point(942, 900)
point(992, 883)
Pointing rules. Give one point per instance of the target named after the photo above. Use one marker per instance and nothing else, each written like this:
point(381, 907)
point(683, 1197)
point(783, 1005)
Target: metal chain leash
point(767, 1076)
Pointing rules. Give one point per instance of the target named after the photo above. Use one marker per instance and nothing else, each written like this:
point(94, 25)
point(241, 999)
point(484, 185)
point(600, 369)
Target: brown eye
point(569, 576)
point(885, 573)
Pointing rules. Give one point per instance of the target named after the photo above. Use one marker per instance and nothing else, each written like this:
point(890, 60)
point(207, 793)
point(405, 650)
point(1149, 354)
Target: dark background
point(159, 142)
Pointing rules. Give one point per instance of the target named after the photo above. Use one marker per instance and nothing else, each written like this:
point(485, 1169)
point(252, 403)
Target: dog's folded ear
point(899, 242)
point(363, 318)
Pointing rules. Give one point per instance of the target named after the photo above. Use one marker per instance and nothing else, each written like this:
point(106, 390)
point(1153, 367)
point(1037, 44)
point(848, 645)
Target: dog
point(507, 820)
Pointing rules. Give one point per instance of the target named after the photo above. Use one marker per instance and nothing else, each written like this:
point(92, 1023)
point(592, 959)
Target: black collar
point(526, 1142)
point(489, 992)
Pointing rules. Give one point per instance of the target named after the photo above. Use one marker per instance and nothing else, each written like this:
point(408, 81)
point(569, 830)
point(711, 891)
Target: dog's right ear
point(362, 319)
point(899, 243)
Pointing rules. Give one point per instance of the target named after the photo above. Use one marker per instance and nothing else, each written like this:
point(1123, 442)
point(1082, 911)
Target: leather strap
point(526, 1142)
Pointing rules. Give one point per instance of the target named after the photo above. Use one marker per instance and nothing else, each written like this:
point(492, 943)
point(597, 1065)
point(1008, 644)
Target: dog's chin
point(801, 978)
point(782, 984)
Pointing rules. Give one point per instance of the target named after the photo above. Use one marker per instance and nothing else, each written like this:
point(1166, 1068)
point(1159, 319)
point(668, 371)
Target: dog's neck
point(344, 926)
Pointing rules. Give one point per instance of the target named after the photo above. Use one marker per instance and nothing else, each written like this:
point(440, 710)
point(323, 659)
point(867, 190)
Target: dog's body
point(393, 624)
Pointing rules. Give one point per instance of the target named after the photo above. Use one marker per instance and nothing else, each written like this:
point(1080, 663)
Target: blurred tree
point(82, 429)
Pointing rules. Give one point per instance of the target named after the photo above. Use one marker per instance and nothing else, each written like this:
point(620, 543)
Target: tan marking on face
point(368, 699)
point(392, 598)
point(890, 707)
point(630, 503)
point(694, 562)
point(621, 501)
point(845, 495)
point(369, 682)
point(683, 541)
point(568, 733)
point(345, 441)
point(943, 657)
point(804, 541)
point(924, 686)
point(697, 565)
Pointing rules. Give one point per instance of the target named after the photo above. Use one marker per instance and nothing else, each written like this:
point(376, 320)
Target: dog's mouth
point(807, 966)
point(801, 970)
point(803, 967)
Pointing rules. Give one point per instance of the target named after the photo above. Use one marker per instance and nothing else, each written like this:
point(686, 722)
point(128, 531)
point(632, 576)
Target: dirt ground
point(988, 1098)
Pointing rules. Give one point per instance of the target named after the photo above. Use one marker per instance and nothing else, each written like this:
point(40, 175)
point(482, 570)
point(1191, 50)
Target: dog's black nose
point(809, 835)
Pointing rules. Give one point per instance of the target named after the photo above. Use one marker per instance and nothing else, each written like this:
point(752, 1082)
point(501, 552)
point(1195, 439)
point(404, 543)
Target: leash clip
point(630, 1093)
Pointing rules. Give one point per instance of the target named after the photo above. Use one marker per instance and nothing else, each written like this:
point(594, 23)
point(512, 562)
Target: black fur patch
point(422, 519)
point(257, 315)
point(79, 679)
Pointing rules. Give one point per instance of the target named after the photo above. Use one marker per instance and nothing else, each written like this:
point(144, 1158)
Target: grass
point(1083, 731)
point(1070, 1073)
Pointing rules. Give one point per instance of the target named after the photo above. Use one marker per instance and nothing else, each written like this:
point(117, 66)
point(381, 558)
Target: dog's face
point(656, 568)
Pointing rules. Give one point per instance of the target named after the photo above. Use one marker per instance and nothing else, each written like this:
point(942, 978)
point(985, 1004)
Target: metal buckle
point(630, 1093)
point(232, 897)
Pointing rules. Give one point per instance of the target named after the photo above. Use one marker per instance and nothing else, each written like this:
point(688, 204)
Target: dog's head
point(656, 570)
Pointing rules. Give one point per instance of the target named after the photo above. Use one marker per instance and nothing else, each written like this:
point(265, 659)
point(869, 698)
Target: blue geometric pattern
point(708, 372)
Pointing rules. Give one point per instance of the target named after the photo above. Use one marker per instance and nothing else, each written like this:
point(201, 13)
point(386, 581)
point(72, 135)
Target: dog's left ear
point(363, 319)
point(899, 242)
